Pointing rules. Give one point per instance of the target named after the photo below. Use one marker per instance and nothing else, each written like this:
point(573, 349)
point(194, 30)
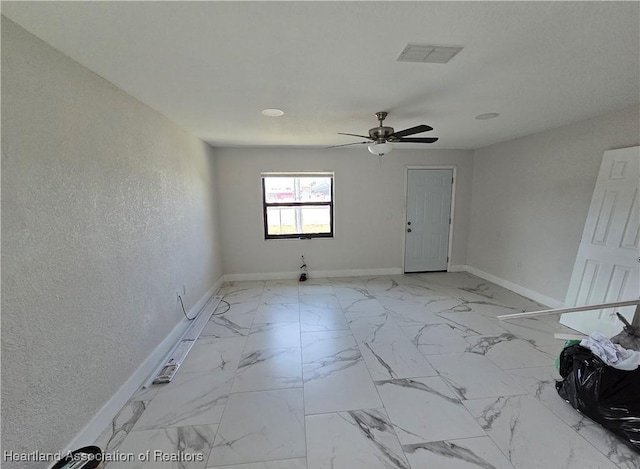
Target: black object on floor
point(605, 394)
point(89, 457)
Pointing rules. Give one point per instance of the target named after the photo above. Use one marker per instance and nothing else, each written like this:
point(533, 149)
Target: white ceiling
point(212, 66)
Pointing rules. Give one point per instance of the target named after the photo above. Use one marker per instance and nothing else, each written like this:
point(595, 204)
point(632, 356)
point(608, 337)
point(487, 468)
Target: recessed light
point(272, 112)
point(488, 115)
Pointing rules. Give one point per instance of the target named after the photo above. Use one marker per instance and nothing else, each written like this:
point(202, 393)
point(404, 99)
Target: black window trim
point(266, 204)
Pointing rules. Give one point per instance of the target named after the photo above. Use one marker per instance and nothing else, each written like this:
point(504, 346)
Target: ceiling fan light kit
point(381, 139)
point(381, 149)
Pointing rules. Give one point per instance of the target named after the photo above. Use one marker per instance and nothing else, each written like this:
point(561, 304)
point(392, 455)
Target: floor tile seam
point(302, 294)
point(450, 439)
point(386, 412)
point(445, 376)
point(276, 304)
point(340, 411)
point(269, 349)
point(506, 370)
point(267, 390)
point(323, 330)
point(315, 362)
point(211, 424)
point(256, 462)
point(304, 405)
point(239, 464)
point(272, 322)
point(323, 309)
point(233, 381)
point(237, 373)
point(294, 301)
point(212, 372)
point(538, 366)
point(502, 397)
point(522, 335)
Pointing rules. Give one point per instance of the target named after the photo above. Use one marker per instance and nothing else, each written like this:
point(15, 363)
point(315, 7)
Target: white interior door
point(607, 265)
point(428, 219)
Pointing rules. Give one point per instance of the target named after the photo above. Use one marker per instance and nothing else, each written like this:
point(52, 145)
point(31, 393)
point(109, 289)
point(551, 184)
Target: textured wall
point(107, 210)
point(531, 197)
point(369, 208)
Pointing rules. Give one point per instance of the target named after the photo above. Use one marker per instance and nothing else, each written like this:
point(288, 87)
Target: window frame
point(266, 205)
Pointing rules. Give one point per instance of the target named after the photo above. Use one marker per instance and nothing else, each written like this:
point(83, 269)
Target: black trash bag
point(606, 395)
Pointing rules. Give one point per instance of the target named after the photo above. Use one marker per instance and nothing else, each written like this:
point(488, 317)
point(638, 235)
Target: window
point(297, 205)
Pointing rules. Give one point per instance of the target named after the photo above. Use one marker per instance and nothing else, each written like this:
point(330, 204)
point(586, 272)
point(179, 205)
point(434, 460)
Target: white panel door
point(428, 218)
point(607, 267)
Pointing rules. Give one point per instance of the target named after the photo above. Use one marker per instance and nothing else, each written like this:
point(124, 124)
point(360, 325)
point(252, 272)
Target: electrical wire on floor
point(216, 313)
point(184, 312)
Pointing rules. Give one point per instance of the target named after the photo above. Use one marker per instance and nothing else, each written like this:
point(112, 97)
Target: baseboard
point(519, 289)
point(90, 433)
point(261, 276)
point(312, 274)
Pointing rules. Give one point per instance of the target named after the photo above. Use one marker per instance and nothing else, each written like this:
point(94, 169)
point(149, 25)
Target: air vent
point(430, 54)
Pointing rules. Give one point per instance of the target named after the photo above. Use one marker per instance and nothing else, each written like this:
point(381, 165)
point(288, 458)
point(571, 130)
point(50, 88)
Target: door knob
point(408, 230)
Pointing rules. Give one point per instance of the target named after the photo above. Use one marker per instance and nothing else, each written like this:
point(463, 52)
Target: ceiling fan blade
point(417, 140)
point(413, 130)
point(346, 145)
point(356, 135)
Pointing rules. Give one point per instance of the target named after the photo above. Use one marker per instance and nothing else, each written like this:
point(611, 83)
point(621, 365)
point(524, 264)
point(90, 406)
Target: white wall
point(369, 208)
point(107, 210)
point(531, 197)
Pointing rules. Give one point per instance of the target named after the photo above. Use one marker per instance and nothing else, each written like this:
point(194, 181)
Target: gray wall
point(531, 197)
point(369, 208)
point(107, 210)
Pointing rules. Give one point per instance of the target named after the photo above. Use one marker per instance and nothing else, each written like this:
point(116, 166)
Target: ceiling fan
point(382, 138)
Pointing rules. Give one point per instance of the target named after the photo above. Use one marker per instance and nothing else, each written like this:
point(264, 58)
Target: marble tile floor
point(408, 371)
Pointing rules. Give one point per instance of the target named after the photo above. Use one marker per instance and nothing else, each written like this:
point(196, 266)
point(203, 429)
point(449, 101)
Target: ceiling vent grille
point(430, 54)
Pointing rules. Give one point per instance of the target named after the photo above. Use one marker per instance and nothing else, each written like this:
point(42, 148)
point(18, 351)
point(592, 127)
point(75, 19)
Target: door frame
point(454, 169)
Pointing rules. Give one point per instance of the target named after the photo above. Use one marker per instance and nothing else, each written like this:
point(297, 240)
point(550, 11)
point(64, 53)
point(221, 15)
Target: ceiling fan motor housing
point(380, 133)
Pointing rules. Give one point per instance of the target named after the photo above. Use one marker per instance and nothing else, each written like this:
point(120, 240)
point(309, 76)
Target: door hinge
point(449, 220)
